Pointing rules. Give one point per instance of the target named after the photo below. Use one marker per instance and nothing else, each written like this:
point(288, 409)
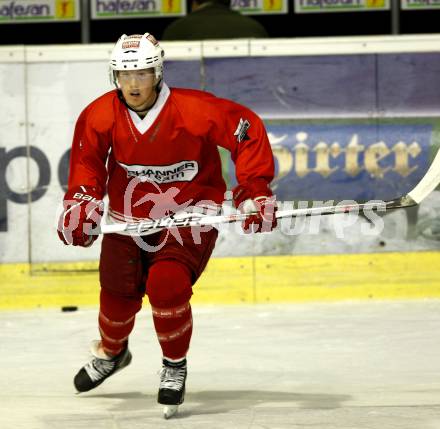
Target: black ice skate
point(100, 368)
point(172, 386)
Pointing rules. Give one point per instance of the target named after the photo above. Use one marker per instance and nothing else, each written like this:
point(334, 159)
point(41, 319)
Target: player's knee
point(168, 284)
point(118, 307)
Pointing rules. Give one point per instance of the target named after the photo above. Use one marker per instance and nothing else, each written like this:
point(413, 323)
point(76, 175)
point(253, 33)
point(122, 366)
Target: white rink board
point(56, 94)
point(44, 88)
point(14, 243)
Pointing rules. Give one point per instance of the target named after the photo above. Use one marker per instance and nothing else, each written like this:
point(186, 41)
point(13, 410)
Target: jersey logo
point(183, 171)
point(241, 131)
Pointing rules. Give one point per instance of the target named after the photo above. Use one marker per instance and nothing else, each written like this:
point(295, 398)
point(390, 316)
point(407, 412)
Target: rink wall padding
point(347, 118)
point(246, 280)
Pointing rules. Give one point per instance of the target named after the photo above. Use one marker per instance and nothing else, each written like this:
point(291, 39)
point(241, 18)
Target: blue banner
point(347, 161)
point(329, 86)
point(347, 126)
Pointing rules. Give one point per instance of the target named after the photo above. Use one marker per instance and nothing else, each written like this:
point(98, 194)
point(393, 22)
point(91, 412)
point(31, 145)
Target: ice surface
point(352, 365)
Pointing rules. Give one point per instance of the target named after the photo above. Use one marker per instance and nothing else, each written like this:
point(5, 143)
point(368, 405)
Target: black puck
point(66, 308)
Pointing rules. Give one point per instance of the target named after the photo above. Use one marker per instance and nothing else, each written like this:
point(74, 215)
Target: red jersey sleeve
point(242, 132)
point(90, 148)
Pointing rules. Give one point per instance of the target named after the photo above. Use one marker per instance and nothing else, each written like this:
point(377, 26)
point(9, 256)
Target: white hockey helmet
point(136, 52)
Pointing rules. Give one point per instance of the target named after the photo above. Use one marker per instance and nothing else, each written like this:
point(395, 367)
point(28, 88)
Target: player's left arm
point(242, 132)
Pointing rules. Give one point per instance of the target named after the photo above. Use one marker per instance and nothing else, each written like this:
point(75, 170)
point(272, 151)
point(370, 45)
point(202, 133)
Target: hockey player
point(154, 150)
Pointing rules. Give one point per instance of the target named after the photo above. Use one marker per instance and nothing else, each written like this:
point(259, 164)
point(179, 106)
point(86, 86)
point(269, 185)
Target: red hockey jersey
point(170, 159)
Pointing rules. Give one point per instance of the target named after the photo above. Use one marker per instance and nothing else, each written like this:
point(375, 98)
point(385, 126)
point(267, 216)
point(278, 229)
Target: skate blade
point(169, 411)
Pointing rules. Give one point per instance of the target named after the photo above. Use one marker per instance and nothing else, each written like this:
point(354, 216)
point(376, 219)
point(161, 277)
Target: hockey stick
point(428, 183)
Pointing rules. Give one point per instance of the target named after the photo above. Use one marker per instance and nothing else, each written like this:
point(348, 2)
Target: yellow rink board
point(243, 280)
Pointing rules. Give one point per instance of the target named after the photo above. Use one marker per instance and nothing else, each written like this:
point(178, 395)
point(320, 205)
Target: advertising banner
point(341, 127)
point(343, 161)
point(324, 6)
point(116, 9)
point(260, 7)
point(21, 11)
point(419, 4)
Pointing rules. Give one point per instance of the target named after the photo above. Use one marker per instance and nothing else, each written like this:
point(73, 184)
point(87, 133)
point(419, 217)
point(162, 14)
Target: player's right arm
point(90, 147)
point(82, 203)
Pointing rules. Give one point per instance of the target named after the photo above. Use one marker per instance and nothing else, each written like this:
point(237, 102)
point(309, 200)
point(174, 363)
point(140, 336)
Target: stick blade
point(429, 182)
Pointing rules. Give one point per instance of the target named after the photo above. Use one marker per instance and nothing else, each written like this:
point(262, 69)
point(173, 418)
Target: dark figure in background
point(213, 19)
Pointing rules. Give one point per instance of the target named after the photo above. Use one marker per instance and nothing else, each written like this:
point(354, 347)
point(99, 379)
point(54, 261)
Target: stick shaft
point(192, 220)
point(428, 183)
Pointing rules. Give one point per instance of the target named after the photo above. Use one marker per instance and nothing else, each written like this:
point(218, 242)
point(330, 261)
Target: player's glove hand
point(256, 197)
point(83, 210)
point(264, 219)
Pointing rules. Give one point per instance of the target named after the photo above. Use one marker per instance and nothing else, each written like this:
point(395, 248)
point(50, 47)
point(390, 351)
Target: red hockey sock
point(116, 320)
point(174, 330)
point(169, 291)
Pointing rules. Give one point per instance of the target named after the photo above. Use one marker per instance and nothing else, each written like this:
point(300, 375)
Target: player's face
point(137, 87)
